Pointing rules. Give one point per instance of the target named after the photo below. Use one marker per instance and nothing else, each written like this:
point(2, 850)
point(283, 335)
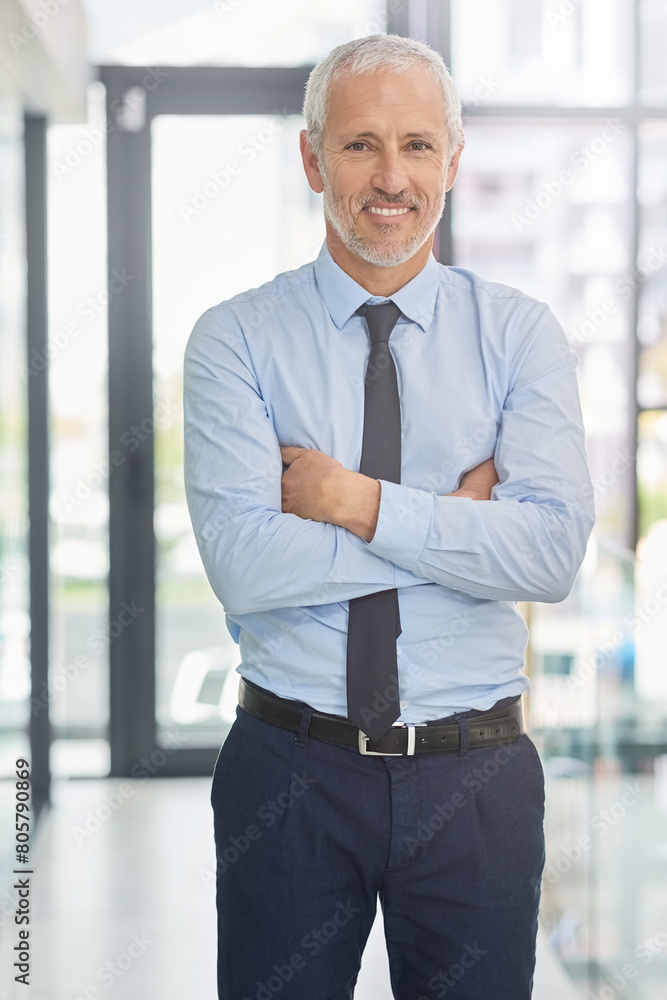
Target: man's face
point(386, 165)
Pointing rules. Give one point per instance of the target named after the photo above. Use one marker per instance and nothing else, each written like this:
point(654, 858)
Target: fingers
point(290, 453)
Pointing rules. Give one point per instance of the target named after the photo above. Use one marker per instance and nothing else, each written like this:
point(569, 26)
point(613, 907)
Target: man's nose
point(389, 173)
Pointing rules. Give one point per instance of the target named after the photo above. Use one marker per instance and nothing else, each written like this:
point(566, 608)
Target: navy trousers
point(308, 834)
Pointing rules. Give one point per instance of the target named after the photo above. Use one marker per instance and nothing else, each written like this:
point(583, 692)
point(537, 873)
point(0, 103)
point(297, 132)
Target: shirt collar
point(343, 296)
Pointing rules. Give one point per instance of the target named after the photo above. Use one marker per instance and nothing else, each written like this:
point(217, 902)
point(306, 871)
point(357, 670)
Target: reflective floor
point(123, 900)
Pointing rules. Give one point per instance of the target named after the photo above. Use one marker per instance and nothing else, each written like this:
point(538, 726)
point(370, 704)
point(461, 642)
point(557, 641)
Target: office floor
point(123, 899)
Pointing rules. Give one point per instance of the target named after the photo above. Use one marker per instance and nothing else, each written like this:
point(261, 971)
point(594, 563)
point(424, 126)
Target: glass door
point(230, 209)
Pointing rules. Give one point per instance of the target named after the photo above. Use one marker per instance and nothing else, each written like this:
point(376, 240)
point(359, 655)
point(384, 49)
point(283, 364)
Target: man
point(457, 399)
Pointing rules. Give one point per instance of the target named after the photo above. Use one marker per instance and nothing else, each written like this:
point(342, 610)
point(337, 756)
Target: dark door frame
point(39, 726)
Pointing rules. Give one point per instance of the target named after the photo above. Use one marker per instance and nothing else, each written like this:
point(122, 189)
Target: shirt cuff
point(404, 521)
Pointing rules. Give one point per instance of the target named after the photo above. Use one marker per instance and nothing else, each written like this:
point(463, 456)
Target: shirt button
point(405, 704)
point(398, 650)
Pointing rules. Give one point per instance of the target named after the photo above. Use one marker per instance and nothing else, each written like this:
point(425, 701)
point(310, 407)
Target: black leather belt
point(496, 725)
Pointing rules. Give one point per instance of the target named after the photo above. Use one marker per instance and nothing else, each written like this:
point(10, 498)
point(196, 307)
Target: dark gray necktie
point(374, 622)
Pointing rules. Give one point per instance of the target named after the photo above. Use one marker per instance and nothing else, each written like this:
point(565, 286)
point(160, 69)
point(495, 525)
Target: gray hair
point(363, 55)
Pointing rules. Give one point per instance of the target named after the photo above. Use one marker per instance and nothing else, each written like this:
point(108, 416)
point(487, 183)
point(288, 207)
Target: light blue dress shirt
point(483, 371)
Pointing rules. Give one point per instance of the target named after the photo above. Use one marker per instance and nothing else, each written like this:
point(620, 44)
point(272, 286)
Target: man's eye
point(422, 145)
point(356, 145)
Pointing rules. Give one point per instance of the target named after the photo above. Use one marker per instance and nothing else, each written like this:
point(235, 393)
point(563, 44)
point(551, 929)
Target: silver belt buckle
point(410, 726)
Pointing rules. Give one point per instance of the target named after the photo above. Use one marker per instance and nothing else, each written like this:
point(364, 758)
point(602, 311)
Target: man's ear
point(310, 164)
point(452, 168)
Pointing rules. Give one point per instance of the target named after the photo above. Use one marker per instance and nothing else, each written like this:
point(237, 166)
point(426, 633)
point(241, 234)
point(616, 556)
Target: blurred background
point(137, 139)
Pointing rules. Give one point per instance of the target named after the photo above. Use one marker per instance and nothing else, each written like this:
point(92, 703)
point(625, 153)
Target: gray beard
point(372, 252)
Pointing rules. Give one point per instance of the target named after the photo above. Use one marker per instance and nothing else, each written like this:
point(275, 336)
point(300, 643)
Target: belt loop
point(306, 716)
point(465, 734)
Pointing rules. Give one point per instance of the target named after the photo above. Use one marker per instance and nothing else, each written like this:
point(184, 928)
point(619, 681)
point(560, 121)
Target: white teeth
point(388, 211)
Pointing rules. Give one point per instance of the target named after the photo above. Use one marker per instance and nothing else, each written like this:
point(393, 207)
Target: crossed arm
point(318, 487)
point(318, 533)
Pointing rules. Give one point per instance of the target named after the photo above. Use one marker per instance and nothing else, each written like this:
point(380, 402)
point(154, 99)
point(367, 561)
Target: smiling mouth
point(403, 210)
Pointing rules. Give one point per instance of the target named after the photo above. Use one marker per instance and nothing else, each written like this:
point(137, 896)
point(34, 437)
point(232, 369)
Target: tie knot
point(381, 319)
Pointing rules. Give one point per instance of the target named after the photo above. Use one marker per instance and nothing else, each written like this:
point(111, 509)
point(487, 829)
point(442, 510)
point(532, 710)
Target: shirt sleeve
point(257, 558)
point(528, 541)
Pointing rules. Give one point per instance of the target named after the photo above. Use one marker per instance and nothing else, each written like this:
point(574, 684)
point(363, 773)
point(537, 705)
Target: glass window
point(652, 469)
point(545, 52)
point(652, 264)
point(652, 64)
point(77, 348)
point(545, 208)
point(228, 32)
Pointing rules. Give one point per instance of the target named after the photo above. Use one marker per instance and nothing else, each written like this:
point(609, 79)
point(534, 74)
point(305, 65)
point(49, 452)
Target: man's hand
point(478, 482)
point(306, 485)
point(319, 488)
